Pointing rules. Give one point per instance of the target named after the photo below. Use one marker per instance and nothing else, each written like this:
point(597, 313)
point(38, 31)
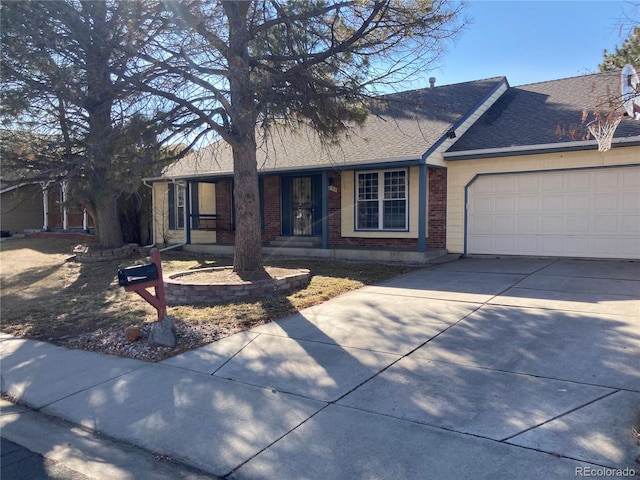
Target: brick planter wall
point(99, 255)
point(180, 293)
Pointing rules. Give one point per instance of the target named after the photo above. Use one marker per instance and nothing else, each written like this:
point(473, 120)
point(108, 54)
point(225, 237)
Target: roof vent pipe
point(432, 82)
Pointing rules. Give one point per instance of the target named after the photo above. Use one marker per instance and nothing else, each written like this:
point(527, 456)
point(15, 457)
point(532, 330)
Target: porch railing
point(203, 221)
point(75, 220)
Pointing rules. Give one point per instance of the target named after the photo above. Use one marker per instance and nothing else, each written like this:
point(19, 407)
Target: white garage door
point(575, 213)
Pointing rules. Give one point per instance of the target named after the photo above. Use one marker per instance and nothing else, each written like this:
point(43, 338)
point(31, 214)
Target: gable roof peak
point(546, 113)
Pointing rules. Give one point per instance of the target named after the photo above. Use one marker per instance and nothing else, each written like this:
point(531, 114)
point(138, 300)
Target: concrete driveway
point(479, 368)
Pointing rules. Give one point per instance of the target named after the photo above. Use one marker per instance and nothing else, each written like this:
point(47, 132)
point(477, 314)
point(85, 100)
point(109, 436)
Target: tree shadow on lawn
point(64, 299)
point(59, 246)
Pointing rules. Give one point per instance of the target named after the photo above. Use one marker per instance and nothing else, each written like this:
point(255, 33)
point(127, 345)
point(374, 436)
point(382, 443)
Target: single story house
point(478, 167)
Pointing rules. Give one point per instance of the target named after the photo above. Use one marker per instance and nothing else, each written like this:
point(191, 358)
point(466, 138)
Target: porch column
point(154, 212)
point(187, 212)
point(45, 206)
point(422, 207)
point(85, 220)
point(65, 220)
point(325, 210)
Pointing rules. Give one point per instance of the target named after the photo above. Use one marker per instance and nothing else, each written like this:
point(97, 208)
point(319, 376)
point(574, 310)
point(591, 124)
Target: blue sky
point(532, 41)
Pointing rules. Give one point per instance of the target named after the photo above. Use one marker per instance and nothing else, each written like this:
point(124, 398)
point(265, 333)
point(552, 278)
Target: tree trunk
point(108, 228)
point(248, 243)
point(242, 137)
point(100, 148)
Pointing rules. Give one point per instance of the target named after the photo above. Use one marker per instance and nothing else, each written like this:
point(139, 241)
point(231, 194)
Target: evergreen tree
point(628, 53)
point(61, 69)
point(242, 66)
point(85, 77)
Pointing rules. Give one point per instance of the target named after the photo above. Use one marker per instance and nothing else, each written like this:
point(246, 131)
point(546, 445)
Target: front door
point(301, 206)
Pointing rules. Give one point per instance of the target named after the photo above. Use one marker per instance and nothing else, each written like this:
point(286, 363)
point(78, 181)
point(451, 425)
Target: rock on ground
point(163, 333)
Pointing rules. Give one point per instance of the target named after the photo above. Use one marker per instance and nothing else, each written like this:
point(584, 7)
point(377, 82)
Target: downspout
point(65, 212)
point(153, 214)
point(186, 214)
point(45, 206)
point(153, 206)
point(171, 247)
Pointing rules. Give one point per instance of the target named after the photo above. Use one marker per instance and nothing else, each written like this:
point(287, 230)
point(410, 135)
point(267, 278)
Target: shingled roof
point(545, 113)
point(402, 128)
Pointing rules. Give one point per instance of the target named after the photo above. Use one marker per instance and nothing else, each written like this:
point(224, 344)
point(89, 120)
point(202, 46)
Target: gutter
point(536, 149)
point(396, 162)
point(153, 213)
point(12, 187)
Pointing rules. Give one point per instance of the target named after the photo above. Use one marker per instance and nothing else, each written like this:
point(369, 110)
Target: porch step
point(297, 242)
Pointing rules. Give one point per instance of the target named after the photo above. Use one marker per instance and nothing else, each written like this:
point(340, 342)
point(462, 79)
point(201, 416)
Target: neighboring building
point(33, 201)
point(39, 206)
point(474, 168)
point(20, 208)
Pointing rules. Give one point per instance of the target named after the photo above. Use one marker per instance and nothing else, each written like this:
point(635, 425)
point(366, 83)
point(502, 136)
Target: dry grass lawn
point(46, 296)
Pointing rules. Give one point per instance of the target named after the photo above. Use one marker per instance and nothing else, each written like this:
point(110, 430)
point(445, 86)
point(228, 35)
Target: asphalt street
point(19, 463)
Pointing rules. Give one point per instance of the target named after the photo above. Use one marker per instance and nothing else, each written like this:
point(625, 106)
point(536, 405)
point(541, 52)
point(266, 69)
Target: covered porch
point(57, 215)
point(317, 213)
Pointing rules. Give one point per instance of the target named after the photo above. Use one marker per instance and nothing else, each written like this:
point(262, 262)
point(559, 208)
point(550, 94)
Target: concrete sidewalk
point(480, 368)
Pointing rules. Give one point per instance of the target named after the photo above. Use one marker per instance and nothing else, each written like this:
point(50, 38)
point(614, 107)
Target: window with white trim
point(381, 200)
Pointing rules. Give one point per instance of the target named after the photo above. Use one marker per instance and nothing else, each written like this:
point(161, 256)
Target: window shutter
point(195, 205)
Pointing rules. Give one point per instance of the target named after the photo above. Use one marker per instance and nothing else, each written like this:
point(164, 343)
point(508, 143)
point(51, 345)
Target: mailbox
point(139, 278)
point(138, 274)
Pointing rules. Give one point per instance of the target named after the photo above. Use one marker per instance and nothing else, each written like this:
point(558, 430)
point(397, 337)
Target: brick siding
point(273, 216)
point(335, 208)
point(224, 232)
point(437, 209)
point(272, 212)
point(178, 291)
